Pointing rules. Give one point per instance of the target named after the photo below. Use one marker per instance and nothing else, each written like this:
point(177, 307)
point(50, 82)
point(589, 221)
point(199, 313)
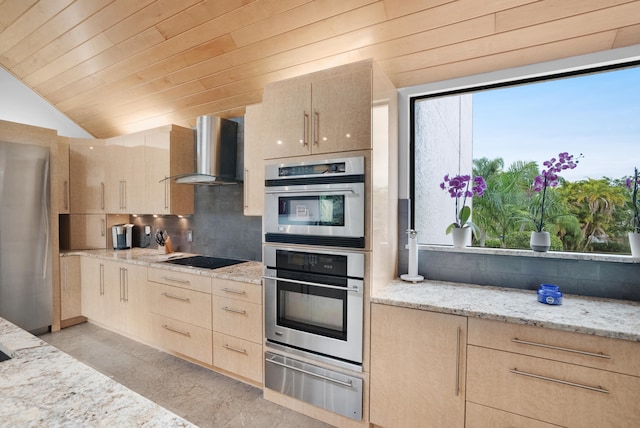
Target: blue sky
point(597, 115)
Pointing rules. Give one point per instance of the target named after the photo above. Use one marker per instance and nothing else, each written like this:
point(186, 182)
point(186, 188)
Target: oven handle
point(354, 289)
point(348, 384)
point(333, 190)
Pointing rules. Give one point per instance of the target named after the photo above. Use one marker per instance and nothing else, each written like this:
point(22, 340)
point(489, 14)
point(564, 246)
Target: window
point(505, 132)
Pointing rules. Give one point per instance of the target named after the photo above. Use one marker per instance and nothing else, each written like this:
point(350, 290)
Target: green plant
point(458, 187)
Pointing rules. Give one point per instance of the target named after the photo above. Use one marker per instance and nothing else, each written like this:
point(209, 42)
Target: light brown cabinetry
point(169, 151)
point(562, 378)
point(323, 112)
point(85, 231)
point(62, 180)
point(125, 174)
point(86, 176)
point(237, 325)
point(70, 288)
point(93, 289)
point(253, 161)
point(181, 313)
point(417, 368)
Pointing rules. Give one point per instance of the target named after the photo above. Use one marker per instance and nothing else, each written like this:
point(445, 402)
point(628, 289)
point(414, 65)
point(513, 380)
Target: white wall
point(20, 104)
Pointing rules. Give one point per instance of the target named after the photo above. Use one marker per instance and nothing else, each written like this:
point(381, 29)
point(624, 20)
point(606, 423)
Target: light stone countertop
point(42, 386)
point(619, 319)
point(249, 271)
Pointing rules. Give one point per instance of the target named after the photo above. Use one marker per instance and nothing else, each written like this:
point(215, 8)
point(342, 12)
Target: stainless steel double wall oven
point(314, 286)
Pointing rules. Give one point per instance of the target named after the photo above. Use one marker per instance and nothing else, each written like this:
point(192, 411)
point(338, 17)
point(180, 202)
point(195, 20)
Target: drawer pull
point(175, 330)
point(182, 281)
point(230, 290)
point(171, 296)
point(563, 382)
point(237, 311)
point(238, 350)
point(559, 348)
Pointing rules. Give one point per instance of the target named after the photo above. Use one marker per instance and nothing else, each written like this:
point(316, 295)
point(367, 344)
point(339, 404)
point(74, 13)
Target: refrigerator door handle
point(45, 204)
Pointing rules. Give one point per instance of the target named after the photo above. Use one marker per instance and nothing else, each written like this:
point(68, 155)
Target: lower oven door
point(315, 317)
point(327, 389)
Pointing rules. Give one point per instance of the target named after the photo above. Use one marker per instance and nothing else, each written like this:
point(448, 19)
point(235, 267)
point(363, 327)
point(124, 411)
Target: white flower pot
point(634, 242)
point(461, 236)
point(540, 241)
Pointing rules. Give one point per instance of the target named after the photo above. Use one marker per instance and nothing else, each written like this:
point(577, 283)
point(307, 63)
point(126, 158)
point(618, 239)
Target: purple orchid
point(462, 186)
point(633, 183)
point(549, 178)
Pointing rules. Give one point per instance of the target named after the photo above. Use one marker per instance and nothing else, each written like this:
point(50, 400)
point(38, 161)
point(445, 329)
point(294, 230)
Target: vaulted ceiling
point(119, 66)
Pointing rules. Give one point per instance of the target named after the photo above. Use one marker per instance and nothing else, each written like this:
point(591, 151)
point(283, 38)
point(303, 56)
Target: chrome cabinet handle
point(175, 330)
point(305, 129)
point(101, 279)
point(238, 350)
point(64, 284)
point(354, 289)
point(237, 311)
point(458, 362)
point(182, 281)
point(65, 190)
point(328, 192)
point(103, 228)
point(316, 127)
point(232, 291)
point(124, 194)
point(170, 296)
point(102, 196)
point(560, 348)
point(166, 193)
point(563, 382)
point(327, 378)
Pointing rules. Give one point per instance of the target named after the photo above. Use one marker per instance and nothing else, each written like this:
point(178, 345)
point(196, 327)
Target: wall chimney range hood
point(216, 150)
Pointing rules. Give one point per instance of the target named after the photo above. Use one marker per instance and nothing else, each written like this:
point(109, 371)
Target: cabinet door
point(92, 289)
point(115, 279)
point(137, 302)
point(87, 176)
point(70, 292)
point(125, 174)
point(62, 180)
point(417, 368)
point(157, 158)
point(87, 231)
point(341, 117)
point(253, 161)
point(287, 118)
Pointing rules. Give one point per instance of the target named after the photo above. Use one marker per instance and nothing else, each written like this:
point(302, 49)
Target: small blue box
point(549, 294)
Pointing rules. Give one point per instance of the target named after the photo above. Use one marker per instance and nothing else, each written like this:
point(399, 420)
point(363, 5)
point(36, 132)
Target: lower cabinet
point(237, 329)
point(93, 289)
point(70, 288)
point(417, 368)
point(553, 377)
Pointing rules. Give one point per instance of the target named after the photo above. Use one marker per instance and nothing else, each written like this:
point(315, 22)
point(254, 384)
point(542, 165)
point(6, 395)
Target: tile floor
point(199, 395)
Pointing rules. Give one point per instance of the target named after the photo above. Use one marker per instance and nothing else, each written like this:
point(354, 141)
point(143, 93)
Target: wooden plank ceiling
point(119, 66)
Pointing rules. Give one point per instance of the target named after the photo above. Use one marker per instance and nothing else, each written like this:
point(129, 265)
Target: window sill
point(614, 258)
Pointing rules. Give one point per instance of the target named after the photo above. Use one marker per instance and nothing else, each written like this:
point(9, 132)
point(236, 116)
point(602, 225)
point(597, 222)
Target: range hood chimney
point(216, 150)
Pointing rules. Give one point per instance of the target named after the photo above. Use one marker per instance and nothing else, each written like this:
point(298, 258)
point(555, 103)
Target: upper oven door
point(322, 203)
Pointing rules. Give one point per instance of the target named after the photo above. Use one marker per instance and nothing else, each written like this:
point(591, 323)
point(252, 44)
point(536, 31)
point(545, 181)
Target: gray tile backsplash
point(585, 277)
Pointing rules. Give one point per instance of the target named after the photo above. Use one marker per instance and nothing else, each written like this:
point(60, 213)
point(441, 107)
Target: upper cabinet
point(324, 112)
point(125, 173)
point(253, 161)
point(128, 174)
point(169, 151)
point(62, 179)
point(86, 176)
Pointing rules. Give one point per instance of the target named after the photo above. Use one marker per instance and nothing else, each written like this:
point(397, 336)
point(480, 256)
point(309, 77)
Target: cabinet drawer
point(237, 318)
point(238, 356)
point(237, 290)
point(592, 351)
point(188, 306)
point(180, 279)
point(182, 338)
point(486, 417)
point(565, 394)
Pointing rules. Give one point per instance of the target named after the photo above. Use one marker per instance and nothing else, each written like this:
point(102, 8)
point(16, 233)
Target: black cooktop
point(205, 262)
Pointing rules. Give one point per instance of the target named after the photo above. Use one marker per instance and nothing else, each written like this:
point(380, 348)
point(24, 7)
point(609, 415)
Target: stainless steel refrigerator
point(25, 253)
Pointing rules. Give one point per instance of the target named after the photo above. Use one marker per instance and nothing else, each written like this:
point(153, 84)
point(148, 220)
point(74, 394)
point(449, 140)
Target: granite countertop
point(249, 271)
point(619, 319)
point(43, 386)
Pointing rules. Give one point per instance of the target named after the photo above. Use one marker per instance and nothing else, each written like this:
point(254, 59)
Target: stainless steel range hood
point(216, 149)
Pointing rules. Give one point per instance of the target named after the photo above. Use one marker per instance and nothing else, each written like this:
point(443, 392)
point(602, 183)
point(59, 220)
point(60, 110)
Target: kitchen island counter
point(618, 319)
point(43, 386)
point(249, 271)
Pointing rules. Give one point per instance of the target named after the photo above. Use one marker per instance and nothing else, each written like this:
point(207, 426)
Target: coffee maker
point(122, 235)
